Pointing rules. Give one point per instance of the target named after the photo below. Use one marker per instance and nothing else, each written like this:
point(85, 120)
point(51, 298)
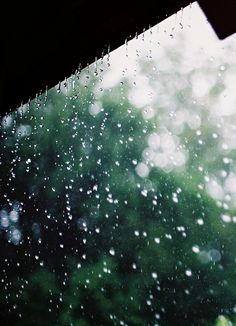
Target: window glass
point(118, 187)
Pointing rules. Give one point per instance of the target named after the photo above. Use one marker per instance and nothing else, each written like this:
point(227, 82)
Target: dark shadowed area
point(45, 41)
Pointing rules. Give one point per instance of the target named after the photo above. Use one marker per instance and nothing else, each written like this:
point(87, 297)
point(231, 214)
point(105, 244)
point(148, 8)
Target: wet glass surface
point(118, 188)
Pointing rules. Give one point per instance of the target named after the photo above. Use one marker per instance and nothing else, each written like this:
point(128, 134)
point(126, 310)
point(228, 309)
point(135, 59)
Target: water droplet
point(112, 252)
point(188, 272)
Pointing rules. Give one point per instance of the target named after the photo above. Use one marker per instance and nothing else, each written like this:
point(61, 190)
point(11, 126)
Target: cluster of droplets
point(9, 222)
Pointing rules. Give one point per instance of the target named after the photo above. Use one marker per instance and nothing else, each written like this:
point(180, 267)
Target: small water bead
point(134, 266)
point(195, 249)
point(112, 252)
point(188, 272)
point(200, 221)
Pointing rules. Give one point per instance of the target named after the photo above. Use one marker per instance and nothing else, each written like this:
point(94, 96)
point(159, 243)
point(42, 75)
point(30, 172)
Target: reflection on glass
point(118, 188)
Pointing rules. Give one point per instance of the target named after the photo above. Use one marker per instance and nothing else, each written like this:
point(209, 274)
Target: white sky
point(190, 23)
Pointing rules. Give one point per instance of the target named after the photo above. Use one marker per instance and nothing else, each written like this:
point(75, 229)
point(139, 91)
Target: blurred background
point(118, 187)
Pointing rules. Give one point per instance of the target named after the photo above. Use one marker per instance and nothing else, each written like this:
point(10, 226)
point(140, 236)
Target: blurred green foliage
point(100, 244)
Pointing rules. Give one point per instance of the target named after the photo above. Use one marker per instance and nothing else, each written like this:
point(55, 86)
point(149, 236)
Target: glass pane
point(118, 188)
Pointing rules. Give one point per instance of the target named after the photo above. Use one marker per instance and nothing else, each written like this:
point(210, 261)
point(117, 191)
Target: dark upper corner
point(44, 41)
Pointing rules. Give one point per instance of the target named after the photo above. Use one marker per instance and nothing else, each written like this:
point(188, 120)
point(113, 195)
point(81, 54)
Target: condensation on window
point(118, 187)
